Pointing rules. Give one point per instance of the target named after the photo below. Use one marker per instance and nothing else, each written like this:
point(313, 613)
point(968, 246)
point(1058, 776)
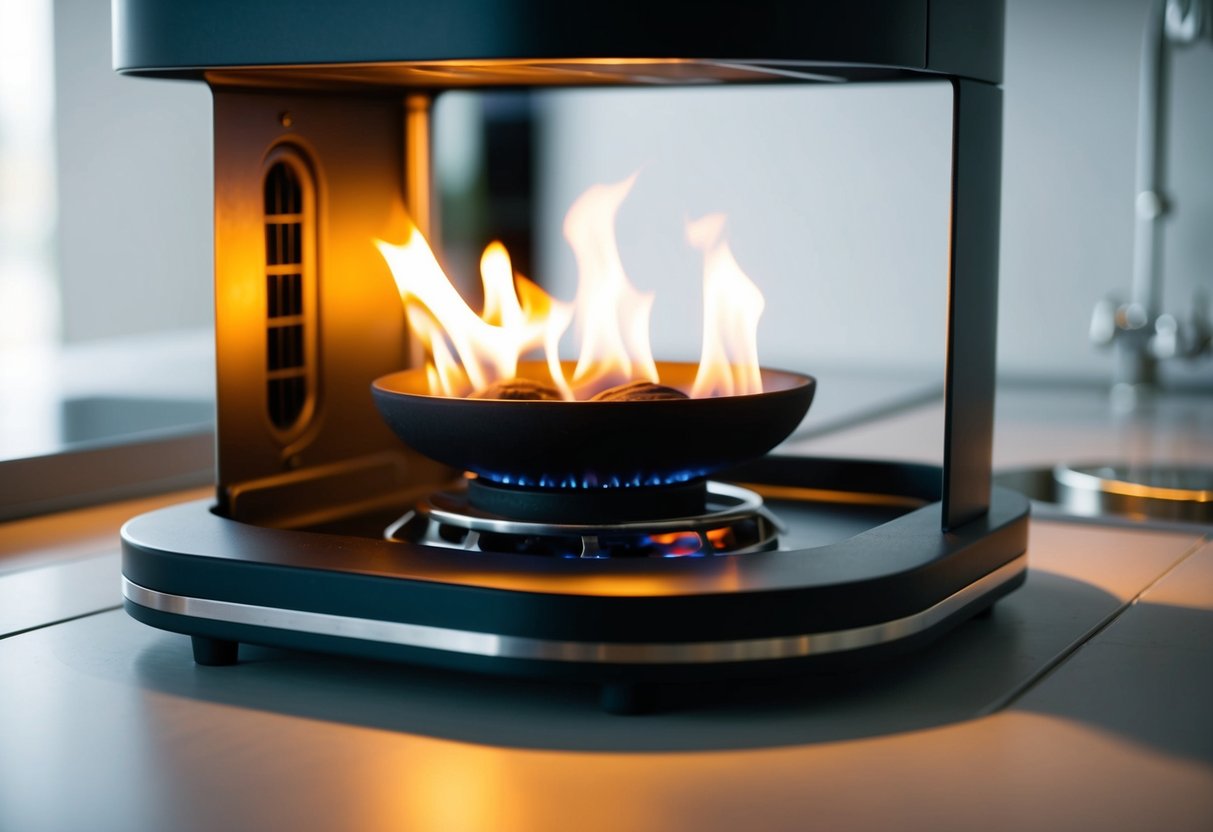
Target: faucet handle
point(1186, 21)
point(1196, 336)
point(1188, 339)
point(1112, 320)
point(1103, 322)
point(1166, 341)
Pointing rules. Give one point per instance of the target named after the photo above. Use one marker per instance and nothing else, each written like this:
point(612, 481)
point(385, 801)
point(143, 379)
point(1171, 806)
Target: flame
point(732, 305)
point(468, 353)
point(612, 315)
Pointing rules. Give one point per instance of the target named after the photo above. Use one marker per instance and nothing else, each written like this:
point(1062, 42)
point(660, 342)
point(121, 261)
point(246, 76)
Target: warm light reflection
point(467, 354)
point(721, 574)
point(678, 544)
point(451, 786)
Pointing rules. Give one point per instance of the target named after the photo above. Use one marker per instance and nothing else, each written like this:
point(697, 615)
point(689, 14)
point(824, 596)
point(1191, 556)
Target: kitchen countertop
point(1081, 703)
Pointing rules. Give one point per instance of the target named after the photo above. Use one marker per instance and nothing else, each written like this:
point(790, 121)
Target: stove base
point(622, 624)
point(217, 630)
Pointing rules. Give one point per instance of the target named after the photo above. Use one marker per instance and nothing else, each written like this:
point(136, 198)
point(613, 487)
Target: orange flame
point(612, 316)
point(732, 305)
point(468, 353)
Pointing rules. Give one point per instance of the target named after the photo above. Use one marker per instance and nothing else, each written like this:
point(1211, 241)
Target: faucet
point(1139, 331)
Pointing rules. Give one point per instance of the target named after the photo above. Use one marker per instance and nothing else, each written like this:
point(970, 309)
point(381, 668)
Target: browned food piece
point(519, 389)
point(638, 391)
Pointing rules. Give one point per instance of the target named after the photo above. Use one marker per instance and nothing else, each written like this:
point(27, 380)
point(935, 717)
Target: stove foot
point(626, 699)
point(214, 652)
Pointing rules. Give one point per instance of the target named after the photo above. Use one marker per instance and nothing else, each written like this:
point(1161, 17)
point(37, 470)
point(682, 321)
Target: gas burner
point(733, 522)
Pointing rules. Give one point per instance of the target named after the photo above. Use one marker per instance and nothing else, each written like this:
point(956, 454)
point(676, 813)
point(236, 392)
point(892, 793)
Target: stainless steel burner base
point(734, 522)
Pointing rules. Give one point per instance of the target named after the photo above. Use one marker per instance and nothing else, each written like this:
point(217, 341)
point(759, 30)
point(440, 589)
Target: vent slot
point(284, 294)
point(290, 293)
point(286, 398)
point(284, 347)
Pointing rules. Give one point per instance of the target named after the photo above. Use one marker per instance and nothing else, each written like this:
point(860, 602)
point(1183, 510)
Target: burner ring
point(447, 519)
point(739, 503)
point(587, 507)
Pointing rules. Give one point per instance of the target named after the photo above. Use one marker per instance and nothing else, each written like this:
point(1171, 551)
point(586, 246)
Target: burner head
point(594, 445)
point(729, 521)
point(588, 505)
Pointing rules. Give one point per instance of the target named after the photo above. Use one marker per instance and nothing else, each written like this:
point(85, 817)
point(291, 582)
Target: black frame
point(392, 48)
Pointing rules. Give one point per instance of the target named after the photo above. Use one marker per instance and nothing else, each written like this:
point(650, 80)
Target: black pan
point(594, 444)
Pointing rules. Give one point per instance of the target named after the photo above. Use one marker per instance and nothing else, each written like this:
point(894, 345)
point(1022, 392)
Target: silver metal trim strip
point(537, 649)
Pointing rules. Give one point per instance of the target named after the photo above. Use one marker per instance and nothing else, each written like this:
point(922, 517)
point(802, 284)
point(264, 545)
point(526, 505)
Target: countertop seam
point(69, 618)
point(1047, 670)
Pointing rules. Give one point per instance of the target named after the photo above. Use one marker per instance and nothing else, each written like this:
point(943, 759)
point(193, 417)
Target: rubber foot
point(625, 699)
point(988, 612)
point(214, 652)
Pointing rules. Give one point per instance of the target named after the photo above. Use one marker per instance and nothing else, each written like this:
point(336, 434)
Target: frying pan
point(588, 444)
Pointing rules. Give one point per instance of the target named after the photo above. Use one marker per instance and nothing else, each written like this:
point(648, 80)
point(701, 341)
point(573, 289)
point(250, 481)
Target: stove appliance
point(611, 562)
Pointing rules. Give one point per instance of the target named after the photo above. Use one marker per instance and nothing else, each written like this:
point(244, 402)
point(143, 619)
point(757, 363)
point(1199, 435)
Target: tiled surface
point(37, 597)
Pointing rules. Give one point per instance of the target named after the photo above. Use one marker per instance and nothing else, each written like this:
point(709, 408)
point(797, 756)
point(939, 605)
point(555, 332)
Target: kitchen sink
point(1152, 494)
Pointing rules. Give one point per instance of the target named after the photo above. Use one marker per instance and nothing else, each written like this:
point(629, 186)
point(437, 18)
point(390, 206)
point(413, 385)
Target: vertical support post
point(418, 184)
point(972, 301)
point(418, 198)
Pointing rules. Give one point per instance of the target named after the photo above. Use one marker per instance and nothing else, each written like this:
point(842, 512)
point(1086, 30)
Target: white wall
point(843, 229)
point(856, 177)
point(135, 185)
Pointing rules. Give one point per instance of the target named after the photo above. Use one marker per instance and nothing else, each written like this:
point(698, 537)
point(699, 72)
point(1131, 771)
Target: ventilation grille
point(289, 294)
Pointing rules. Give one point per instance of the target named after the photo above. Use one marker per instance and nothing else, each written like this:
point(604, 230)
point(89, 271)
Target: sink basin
point(1155, 492)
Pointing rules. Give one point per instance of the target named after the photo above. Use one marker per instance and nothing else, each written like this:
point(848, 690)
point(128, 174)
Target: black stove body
point(321, 119)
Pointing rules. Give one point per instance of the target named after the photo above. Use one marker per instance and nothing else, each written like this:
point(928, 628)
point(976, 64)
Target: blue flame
point(591, 480)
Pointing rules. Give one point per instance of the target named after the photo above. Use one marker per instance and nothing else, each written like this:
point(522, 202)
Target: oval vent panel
point(290, 293)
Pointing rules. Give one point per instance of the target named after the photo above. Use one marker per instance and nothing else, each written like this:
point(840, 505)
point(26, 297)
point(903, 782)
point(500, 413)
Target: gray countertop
point(1081, 703)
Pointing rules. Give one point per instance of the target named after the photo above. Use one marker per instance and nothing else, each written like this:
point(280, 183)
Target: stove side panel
point(346, 320)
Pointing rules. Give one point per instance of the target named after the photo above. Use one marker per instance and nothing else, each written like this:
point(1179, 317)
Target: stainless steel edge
point(1082, 491)
point(536, 649)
